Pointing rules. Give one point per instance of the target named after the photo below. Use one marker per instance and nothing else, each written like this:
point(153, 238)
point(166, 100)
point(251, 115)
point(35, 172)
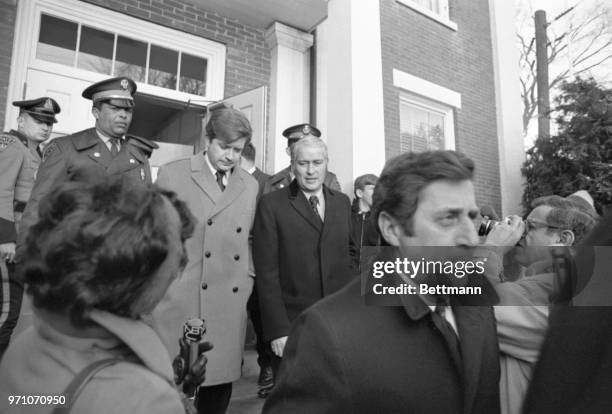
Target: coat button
point(235, 289)
point(207, 254)
point(236, 257)
point(204, 286)
point(239, 229)
point(209, 222)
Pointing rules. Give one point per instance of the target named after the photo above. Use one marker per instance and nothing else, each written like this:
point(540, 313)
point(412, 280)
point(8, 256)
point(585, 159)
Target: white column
point(507, 96)
point(354, 123)
point(289, 87)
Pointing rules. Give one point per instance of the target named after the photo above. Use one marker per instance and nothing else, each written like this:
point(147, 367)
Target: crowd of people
point(127, 276)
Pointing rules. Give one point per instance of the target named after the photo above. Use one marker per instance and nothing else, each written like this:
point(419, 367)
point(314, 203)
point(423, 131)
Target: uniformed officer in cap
point(284, 177)
point(19, 160)
point(105, 147)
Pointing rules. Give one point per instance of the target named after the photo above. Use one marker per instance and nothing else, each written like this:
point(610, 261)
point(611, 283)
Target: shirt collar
point(212, 169)
point(252, 170)
point(318, 194)
point(103, 137)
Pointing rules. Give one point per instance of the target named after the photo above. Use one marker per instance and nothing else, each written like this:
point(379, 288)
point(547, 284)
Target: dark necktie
point(220, 175)
point(314, 202)
point(114, 149)
point(449, 334)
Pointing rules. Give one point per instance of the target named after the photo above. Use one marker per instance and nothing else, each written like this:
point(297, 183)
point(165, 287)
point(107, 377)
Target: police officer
point(106, 146)
point(284, 177)
point(19, 160)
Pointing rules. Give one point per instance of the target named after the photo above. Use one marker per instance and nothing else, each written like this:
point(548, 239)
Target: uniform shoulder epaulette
point(6, 140)
point(147, 146)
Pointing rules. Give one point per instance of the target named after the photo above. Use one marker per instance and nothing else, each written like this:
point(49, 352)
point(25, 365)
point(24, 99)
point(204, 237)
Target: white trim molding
point(443, 20)
point(426, 89)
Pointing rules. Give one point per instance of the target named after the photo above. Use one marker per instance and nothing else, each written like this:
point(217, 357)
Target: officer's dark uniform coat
point(298, 259)
point(85, 149)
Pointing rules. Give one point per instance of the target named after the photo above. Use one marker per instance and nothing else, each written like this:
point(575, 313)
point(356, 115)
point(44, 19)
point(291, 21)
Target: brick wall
point(8, 11)
point(459, 60)
point(247, 57)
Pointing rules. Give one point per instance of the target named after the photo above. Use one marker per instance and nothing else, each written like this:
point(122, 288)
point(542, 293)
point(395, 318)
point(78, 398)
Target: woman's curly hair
point(97, 244)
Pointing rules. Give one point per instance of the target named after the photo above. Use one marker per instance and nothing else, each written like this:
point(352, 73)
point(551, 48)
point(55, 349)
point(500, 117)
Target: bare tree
point(579, 42)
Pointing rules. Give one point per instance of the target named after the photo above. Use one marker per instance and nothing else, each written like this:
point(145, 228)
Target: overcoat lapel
point(93, 145)
point(332, 212)
point(298, 201)
point(235, 187)
point(471, 333)
point(204, 178)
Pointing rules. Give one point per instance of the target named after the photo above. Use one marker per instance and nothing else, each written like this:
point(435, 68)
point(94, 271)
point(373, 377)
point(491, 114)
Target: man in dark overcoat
point(427, 354)
point(105, 146)
point(301, 243)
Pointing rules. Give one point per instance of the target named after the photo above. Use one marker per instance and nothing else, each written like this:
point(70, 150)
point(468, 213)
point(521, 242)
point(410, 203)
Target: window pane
point(435, 134)
point(420, 129)
point(131, 59)
point(96, 50)
point(193, 74)
point(57, 40)
point(162, 67)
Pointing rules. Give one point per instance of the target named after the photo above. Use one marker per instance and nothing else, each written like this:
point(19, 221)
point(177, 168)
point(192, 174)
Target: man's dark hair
point(399, 186)
point(249, 152)
point(228, 124)
point(97, 244)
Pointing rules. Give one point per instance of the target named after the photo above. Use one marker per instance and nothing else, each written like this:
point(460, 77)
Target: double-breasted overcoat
point(217, 282)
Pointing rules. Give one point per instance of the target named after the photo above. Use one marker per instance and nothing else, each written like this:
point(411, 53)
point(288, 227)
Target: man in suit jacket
point(284, 177)
point(19, 160)
point(301, 243)
point(421, 356)
point(217, 282)
point(105, 146)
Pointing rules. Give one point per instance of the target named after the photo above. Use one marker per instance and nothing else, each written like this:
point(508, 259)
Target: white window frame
point(26, 39)
point(442, 18)
point(424, 94)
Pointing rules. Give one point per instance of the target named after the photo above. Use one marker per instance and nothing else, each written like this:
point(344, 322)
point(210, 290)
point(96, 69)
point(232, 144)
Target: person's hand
point(506, 234)
point(278, 346)
point(7, 252)
point(190, 377)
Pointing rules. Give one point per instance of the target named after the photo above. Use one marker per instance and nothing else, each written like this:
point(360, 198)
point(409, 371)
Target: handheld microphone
point(193, 332)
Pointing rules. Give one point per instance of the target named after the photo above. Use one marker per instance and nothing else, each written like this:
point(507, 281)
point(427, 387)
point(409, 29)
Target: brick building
point(377, 76)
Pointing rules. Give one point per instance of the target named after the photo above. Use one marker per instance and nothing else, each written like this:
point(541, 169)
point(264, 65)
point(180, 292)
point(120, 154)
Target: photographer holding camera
point(522, 313)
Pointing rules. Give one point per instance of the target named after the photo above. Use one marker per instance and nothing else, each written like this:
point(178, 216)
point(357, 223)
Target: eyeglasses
point(531, 224)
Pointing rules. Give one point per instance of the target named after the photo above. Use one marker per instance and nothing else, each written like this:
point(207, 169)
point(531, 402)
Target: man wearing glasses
point(522, 313)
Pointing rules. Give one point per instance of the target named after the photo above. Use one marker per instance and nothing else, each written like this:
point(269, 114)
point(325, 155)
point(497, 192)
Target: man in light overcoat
point(217, 281)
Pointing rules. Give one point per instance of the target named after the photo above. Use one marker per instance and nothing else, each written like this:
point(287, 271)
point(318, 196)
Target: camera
point(487, 224)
